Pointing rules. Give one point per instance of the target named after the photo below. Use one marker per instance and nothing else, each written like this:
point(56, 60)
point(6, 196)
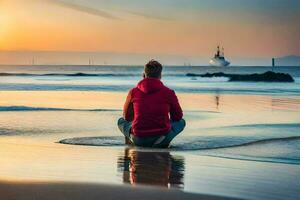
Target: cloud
point(85, 9)
point(149, 16)
point(104, 14)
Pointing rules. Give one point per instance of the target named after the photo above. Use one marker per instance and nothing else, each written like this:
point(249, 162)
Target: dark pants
point(161, 141)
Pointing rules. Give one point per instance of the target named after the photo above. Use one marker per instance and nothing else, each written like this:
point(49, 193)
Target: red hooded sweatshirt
point(150, 106)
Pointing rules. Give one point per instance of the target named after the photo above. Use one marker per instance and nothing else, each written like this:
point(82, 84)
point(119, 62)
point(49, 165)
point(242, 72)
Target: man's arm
point(175, 108)
point(128, 113)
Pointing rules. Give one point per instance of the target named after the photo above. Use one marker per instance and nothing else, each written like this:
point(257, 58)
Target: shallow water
point(230, 127)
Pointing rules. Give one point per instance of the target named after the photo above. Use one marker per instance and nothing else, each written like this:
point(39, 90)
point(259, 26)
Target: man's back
point(151, 106)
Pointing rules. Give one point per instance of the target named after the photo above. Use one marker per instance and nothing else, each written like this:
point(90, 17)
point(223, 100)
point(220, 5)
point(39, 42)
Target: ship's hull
point(219, 62)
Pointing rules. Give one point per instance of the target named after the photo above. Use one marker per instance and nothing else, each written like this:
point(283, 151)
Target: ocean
point(257, 122)
point(122, 78)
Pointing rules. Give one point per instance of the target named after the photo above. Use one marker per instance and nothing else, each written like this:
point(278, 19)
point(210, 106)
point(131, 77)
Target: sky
point(188, 28)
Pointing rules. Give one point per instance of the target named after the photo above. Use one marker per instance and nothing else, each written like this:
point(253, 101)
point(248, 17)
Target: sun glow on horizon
point(43, 25)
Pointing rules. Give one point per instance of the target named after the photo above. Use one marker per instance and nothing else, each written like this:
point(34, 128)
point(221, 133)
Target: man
point(152, 114)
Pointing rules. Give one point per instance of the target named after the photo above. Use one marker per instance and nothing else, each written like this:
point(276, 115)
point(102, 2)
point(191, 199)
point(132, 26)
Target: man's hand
point(128, 141)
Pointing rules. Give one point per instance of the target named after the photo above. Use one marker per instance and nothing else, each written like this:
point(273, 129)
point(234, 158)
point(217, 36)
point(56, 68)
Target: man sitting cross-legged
point(152, 113)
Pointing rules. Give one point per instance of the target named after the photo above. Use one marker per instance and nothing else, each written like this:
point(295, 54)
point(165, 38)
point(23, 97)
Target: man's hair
point(153, 69)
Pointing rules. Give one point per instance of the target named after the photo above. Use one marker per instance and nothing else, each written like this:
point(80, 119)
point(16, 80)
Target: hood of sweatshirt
point(150, 85)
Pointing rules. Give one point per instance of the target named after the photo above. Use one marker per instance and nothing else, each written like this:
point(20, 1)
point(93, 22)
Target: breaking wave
point(125, 87)
point(79, 74)
point(199, 144)
point(26, 108)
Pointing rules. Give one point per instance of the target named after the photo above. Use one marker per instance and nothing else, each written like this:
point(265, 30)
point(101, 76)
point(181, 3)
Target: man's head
point(153, 69)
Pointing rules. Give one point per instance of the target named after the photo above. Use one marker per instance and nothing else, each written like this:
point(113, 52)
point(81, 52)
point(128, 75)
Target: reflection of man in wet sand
point(152, 168)
point(152, 113)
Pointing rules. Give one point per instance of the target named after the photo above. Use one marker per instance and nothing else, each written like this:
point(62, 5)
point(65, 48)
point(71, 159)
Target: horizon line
point(136, 53)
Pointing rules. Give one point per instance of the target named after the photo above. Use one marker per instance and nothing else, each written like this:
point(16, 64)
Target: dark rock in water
point(265, 77)
point(219, 74)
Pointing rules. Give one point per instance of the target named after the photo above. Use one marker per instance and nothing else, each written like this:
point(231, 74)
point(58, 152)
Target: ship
point(219, 59)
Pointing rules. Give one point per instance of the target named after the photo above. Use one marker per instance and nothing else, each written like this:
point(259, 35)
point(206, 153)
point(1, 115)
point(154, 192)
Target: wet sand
point(80, 191)
point(33, 167)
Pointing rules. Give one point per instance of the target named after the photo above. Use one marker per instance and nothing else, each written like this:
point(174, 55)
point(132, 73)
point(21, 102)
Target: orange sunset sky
point(248, 29)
